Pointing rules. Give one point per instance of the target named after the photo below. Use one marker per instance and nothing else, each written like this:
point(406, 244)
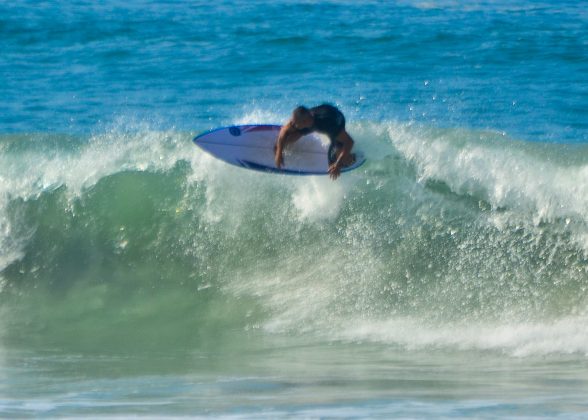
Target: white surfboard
point(252, 147)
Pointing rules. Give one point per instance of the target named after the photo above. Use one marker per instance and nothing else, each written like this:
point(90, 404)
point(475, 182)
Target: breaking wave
point(447, 238)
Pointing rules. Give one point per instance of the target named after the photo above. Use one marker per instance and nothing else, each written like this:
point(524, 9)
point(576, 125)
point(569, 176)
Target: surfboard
point(252, 147)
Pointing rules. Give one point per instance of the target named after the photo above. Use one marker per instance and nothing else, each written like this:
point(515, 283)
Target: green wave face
point(137, 240)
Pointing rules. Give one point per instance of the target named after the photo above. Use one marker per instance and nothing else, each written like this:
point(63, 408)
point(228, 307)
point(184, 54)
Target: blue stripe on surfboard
point(264, 168)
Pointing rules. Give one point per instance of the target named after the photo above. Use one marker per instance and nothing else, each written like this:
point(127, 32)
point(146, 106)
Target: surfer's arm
point(344, 158)
point(288, 135)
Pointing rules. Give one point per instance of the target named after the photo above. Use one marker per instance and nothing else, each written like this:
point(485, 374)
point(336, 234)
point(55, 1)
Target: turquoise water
point(446, 278)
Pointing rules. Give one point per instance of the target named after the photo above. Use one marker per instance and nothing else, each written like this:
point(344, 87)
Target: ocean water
point(445, 278)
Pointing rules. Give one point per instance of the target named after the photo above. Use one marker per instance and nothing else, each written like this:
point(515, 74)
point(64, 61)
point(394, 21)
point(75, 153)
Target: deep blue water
point(515, 67)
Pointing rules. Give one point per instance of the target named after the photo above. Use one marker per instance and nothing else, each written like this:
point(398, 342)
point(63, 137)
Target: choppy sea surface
point(445, 278)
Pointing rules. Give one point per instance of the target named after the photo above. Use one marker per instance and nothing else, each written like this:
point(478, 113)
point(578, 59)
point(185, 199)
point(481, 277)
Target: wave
point(445, 238)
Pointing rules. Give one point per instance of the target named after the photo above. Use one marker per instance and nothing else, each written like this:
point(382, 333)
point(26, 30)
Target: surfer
point(325, 119)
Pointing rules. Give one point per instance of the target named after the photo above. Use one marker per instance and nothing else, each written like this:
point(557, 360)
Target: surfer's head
point(302, 118)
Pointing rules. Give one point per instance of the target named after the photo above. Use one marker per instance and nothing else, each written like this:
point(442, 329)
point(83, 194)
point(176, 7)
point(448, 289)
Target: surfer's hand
point(334, 171)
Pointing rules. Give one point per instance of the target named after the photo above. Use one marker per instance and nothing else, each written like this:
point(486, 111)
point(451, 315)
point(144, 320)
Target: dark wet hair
point(301, 112)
